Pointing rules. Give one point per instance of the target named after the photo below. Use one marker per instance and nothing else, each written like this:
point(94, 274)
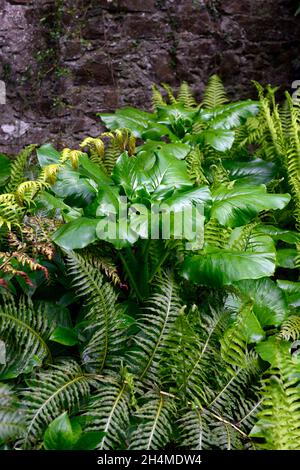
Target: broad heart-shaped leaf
point(64, 335)
point(130, 118)
point(268, 350)
point(217, 267)
point(269, 303)
point(73, 188)
point(287, 236)
point(239, 205)
point(175, 112)
point(291, 290)
point(286, 257)
point(4, 169)
point(62, 433)
point(93, 171)
point(76, 234)
point(49, 203)
point(178, 149)
point(251, 172)
point(156, 131)
point(184, 198)
point(219, 139)
point(230, 115)
point(47, 155)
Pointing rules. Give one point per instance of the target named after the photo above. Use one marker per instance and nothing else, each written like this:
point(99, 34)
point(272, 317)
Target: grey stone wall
point(64, 61)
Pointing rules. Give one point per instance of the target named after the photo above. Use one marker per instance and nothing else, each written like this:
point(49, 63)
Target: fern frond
point(103, 313)
point(108, 412)
point(279, 418)
point(154, 430)
point(11, 419)
point(170, 93)
point(26, 191)
point(72, 156)
point(215, 234)
point(290, 328)
point(63, 387)
point(194, 166)
point(214, 93)
point(24, 330)
point(10, 211)
point(185, 96)
point(157, 98)
point(194, 431)
point(155, 325)
point(17, 169)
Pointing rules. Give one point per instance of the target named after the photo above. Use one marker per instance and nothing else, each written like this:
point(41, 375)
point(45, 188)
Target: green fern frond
point(103, 314)
point(185, 96)
point(155, 325)
point(17, 169)
point(290, 328)
point(27, 190)
point(279, 418)
point(108, 412)
point(194, 166)
point(170, 93)
point(215, 234)
point(11, 419)
point(24, 330)
point(214, 94)
point(61, 388)
point(157, 98)
point(154, 430)
point(194, 431)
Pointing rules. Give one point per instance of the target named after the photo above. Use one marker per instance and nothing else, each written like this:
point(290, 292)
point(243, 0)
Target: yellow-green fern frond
point(194, 165)
point(157, 98)
point(185, 96)
point(17, 169)
point(170, 93)
point(49, 173)
point(26, 191)
point(214, 93)
point(71, 155)
point(10, 211)
point(216, 235)
point(290, 329)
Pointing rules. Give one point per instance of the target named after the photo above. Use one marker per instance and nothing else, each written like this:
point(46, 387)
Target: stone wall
point(64, 61)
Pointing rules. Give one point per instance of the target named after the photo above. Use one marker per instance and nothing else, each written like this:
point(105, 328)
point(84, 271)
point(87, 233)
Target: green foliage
point(144, 344)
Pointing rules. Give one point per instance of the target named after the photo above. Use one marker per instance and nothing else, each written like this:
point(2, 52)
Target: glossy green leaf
point(65, 336)
point(216, 267)
point(74, 189)
point(129, 118)
point(4, 169)
point(219, 139)
point(62, 433)
point(47, 155)
point(76, 234)
point(251, 172)
point(291, 290)
point(286, 257)
point(239, 205)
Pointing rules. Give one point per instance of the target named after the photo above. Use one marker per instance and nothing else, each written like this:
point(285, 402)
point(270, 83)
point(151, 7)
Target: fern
point(63, 387)
point(103, 314)
point(108, 411)
point(214, 94)
point(10, 211)
point(185, 96)
point(11, 419)
point(157, 98)
point(290, 329)
point(154, 430)
point(155, 325)
point(24, 330)
point(279, 418)
point(17, 169)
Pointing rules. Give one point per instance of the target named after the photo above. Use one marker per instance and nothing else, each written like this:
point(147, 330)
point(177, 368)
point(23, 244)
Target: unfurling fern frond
point(96, 149)
point(155, 325)
point(26, 191)
point(63, 387)
point(170, 93)
point(214, 93)
point(72, 156)
point(11, 419)
point(17, 169)
point(120, 140)
point(279, 418)
point(108, 412)
point(103, 322)
point(154, 430)
point(185, 96)
point(24, 330)
point(157, 98)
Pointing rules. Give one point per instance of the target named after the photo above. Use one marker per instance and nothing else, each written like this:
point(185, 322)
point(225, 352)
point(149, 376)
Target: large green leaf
point(219, 139)
point(93, 171)
point(47, 155)
point(129, 118)
point(287, 236)
point(216, 267)
point(76, 234)
point(4, 169)
point(291, 290)
point(253, 172)
point(286, 258)
point(269, 303)
point(239, 205)
point(73, 188)
point(233, 115)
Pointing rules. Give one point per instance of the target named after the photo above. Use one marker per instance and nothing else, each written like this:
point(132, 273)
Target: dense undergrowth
point(128, 342)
